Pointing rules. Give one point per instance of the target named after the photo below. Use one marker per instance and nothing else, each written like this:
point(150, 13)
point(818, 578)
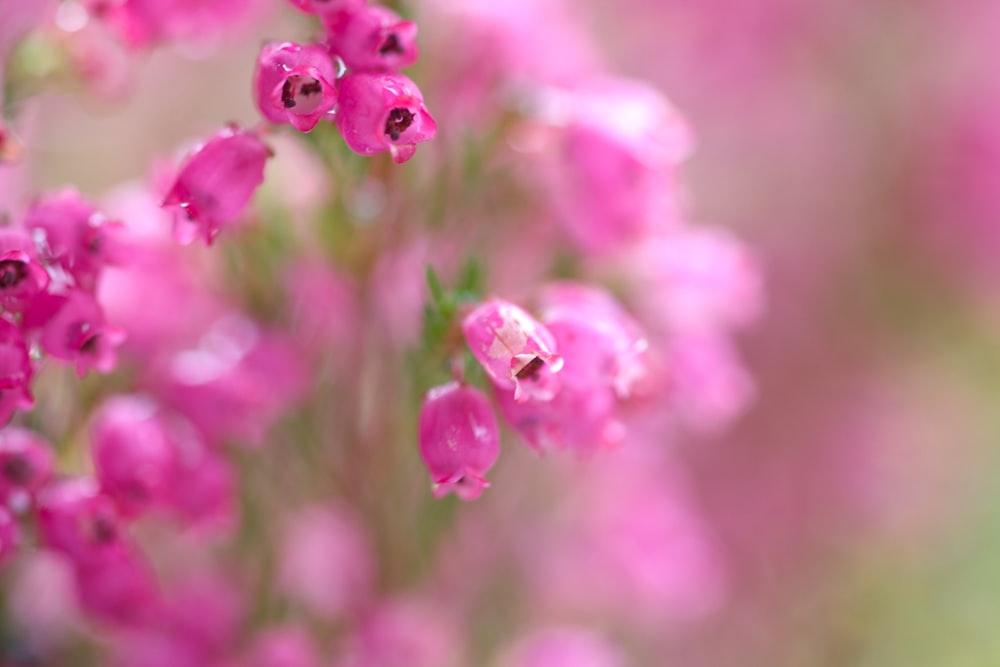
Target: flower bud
point(15, 372)
point(215, 184)
point(459, 440)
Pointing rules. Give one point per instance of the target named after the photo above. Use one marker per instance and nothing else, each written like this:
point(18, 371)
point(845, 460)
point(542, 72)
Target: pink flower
point(459, 440)
point(15, 372)
point(383, 112)
point(215, 183)
point(76, 519)
point(134, 456)
point(235, 383)
point(371, 38)
point(73, 329)
point(120, 590)
point(294, 84)
point(22, 278)
point(516, 351)
point(25, 464)
point(601, 343)
point(75, 235)
point(612, 175)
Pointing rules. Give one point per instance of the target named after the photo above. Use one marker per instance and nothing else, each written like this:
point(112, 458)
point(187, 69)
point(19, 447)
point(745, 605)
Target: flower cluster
point(350, 77)
point(242, 483)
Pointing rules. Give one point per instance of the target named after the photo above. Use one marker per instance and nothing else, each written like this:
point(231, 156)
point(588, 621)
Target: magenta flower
point(15, 372)
point(134, 456)
point(22, 278)
point(73, 329)
point(25, 464)
point(459, 440)
point(74, 235)
point(381, 112)
point(215, 184)
point(120, 590)
point(516, 351)
point(76, 519)
point(602, 344)
point(294, 84)
point(371, 38)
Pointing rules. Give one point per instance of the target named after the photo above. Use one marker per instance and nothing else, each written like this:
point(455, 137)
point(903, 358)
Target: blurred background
point(854, 145)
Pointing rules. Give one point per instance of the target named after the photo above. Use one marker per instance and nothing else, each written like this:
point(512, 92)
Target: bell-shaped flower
point(74, 235)
point(120, 590)
point(611, 177)
point(15, 372)
point(26, 463)
point(22, 277)
point(77, 520)
point(73, 329)
point(215, 184)
point(381, 112)
point(517, 352)
point(607, 346)
point(134, 456)
point(371, 38)
point(295, 84)
point(459, 440)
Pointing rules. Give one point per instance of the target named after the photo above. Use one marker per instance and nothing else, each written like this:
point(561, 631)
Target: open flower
point(517, 352)
point(371, 38)
point(294, 84)
point(383, 112)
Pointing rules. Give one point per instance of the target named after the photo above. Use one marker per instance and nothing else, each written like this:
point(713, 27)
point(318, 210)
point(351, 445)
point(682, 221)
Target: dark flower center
point(390, 45)
point(16, 469)
point(103, 529)
point(399, 121)
point(12, 272)
point(530, 370)
point(298, 90)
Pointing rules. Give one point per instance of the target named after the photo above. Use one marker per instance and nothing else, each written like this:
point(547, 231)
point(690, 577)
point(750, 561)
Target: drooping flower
point(381, 112)
point(25, 464)
point(22, 277)
point(516, 351)
point(459, 440)
point(611, 176)
point(77, 520)
point(134, 457)
point(295, 84)
point(371, 38)
point(74, 235)
point(215, 183)
point(73, 329)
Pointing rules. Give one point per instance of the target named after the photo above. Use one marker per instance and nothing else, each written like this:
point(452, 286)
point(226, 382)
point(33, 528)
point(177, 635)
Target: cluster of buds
point(350, 77)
